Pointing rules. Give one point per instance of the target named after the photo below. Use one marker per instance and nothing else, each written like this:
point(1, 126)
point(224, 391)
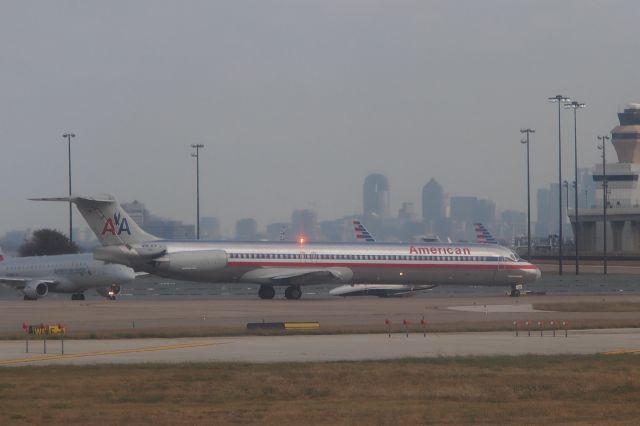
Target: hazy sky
point(297, 101)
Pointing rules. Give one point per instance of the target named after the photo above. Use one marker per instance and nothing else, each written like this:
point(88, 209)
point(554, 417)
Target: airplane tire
point(266, 292)
point(515, 293)
point(29, 298)
point(293, 292)
point(77, 296)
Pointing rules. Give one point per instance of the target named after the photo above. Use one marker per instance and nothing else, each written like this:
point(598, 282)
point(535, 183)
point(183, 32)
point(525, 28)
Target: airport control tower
point(623, 195)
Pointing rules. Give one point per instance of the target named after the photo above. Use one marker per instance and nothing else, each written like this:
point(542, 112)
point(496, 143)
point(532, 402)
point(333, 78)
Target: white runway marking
point(520, 307)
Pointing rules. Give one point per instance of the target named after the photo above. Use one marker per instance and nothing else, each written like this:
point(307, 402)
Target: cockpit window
point(513, 257)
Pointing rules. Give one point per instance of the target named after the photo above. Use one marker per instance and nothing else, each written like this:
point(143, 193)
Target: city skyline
point(458, 212)
point(297, 102)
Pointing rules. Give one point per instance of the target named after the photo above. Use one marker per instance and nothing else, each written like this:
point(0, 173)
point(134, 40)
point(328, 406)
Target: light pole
point(197, 146)
point(575, 106)
point(68, 137)
point(566, 189)
point(559, 99)
point(528, 131)
point(605, 187)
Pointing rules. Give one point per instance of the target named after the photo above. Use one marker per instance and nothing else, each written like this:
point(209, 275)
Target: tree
point(47, 242)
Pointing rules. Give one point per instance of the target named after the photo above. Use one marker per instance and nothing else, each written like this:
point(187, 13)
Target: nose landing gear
point(515, 290)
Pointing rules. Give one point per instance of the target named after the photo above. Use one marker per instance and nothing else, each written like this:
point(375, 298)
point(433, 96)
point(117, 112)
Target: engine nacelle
point(196, 262)
point(36, 290)
point(109, 292)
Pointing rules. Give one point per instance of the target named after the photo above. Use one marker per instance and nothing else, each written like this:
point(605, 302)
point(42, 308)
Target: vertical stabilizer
point(108, 221)
point(483, 235)
point(362, 233)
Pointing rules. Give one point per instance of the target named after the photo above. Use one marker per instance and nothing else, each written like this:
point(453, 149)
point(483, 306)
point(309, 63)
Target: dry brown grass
point(497, 390)
point(589, 307)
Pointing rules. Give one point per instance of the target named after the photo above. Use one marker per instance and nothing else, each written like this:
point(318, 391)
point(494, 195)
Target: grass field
point(495, 390)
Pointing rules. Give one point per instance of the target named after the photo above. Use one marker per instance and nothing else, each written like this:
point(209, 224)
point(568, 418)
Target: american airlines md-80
point(292, 265)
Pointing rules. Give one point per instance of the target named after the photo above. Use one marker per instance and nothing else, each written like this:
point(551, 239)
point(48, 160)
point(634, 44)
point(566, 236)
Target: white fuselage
point(423, 263)
point(70, 273)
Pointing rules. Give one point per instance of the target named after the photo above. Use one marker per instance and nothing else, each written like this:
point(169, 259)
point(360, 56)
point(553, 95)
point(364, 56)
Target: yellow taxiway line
point(622, 352)
point(114, 352)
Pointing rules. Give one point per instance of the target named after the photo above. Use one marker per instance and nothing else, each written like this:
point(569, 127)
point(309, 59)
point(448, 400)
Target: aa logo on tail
point(116, 226)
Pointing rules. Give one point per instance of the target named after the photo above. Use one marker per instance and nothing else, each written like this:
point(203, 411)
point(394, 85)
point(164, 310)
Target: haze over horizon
point(297, 102)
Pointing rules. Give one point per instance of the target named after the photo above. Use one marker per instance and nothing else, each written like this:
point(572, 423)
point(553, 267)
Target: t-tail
point(483, 235)
point(107, 219)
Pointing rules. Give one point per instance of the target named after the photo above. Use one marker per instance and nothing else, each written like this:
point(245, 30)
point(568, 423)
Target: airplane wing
point(298, 276)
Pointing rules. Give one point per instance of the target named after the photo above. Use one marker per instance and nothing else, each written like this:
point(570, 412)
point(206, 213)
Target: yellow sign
point(44, 329)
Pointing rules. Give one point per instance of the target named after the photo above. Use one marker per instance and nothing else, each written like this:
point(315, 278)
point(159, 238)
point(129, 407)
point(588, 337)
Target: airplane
point(37, 276)
point(296, 264)
point(396, 290)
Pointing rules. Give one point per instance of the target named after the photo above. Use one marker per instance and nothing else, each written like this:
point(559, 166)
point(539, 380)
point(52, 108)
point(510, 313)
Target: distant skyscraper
point(376, 196)
point(485, 211)
point(246, 230)
point(463, 209)
point(543, 222)
point(433, 201)
point(160, 227)
point(586, 188)
point(408, 212)
point(279, 231)
point(471, 209)
point(210, 228)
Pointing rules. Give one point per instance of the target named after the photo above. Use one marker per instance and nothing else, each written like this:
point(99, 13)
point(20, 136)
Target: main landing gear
point(293, 292)
point(266, 292)
point(77, 296)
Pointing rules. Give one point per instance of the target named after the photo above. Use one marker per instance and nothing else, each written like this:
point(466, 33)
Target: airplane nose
point(534, 274)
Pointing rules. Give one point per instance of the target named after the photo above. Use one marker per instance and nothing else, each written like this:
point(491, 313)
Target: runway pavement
point(269, 349)
point(205, 317)
point(226, 317)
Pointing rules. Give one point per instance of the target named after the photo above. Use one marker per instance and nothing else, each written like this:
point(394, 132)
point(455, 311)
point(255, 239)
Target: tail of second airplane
point(107, 219)
point(362, 233)
point(483, 235)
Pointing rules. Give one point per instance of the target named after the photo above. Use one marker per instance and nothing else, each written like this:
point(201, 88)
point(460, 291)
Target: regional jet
point(68, 273)
point(293, 265)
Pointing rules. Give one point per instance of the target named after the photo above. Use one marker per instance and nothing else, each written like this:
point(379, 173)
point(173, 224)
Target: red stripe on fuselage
point(452, 265)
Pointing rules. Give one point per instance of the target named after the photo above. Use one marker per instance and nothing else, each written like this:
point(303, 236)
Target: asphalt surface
point(186, 309)
point(209, 317)
point(270, 349)
point(185, 317)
